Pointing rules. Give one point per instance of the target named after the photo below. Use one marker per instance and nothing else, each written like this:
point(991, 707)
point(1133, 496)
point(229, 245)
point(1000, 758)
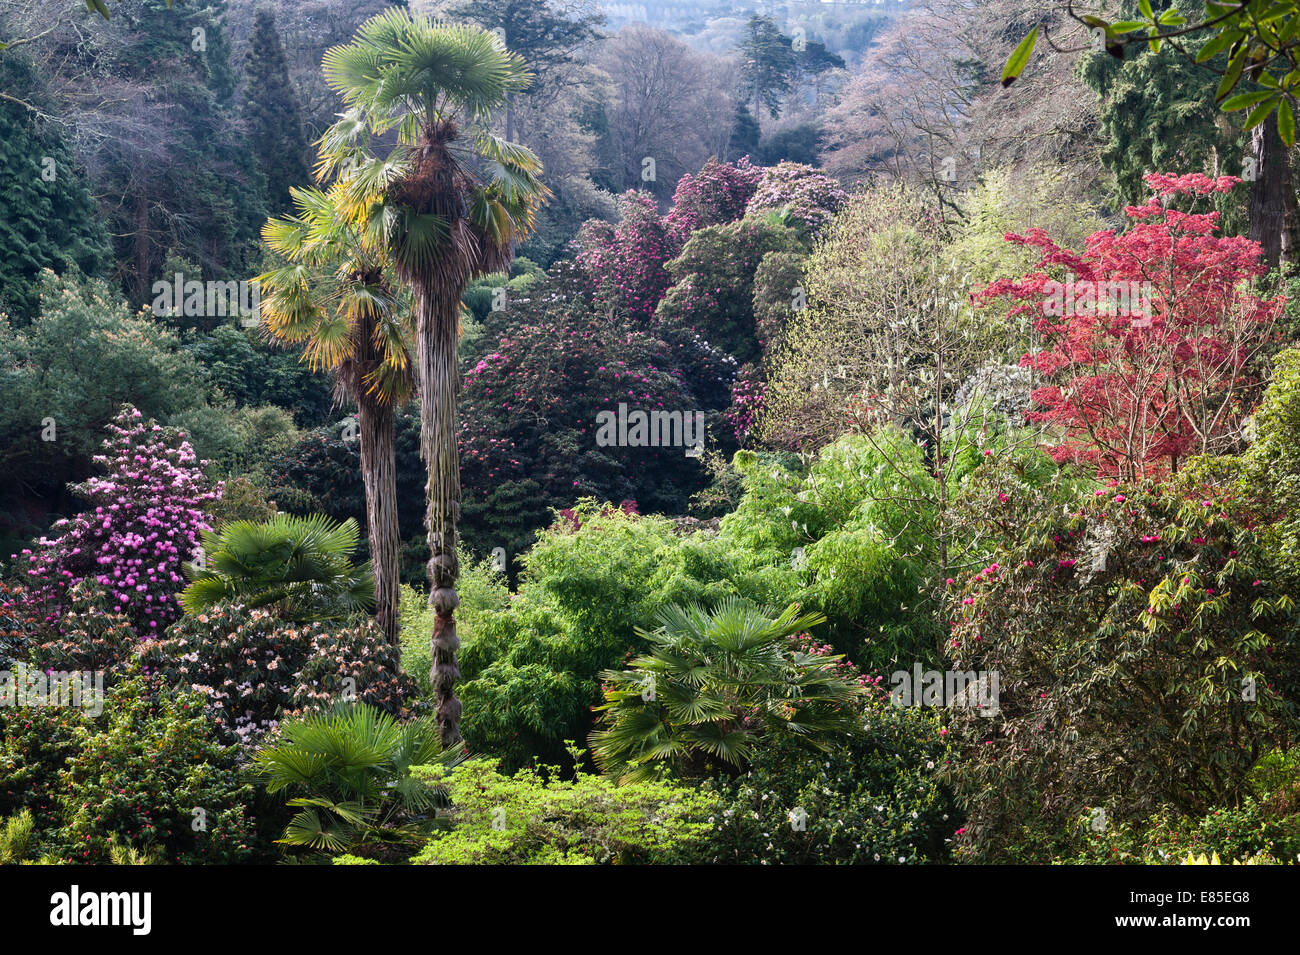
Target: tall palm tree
point(339, 298)
point(428, 182)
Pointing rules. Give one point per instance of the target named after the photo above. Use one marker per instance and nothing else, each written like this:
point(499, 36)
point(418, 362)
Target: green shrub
point(1245, 832)
point(534, 818)
point(17, 838)
point(1146, 658)
point(35, 744)
point(531, 669)
point(876, 798)
point(149, 776)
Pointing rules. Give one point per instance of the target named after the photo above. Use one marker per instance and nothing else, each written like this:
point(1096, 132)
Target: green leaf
point(1145, 7)
point(1019, 58)
point(1258, 115)
point(1286, 122)
point(1128, 26)
point(1242, 100)
point(1233, 74)
point(1218, 44)
point(1172, 18)
point(100, 6)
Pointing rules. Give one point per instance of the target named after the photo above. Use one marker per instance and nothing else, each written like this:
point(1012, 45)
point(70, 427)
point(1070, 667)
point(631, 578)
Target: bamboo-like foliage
point(447, 201)
point(713, 684)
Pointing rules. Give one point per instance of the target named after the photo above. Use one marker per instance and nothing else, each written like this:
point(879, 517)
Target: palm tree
point(300, 566)
point(448, 201)
point(338, 298)
point(714, 683)
point(351, 768)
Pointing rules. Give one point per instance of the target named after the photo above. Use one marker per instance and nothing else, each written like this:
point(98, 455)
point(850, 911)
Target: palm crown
point(448, 193)
point(300, 566)
point(423, 178)
point(713, 683)
point(338, 299)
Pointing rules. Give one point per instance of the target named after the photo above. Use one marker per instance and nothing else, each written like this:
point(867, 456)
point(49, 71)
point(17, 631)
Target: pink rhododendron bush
point(142, 523)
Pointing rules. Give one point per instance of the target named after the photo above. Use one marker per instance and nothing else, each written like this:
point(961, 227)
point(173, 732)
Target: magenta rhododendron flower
point(167, 490)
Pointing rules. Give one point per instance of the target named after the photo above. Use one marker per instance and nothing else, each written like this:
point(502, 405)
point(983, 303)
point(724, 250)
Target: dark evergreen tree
point(49, 219)
point(767, 64)
point(744, 135)
point(175, 159)
point(273, 115)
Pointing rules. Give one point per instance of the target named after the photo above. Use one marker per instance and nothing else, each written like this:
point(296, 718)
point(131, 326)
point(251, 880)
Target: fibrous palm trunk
point(379, 473)
point(437, 318)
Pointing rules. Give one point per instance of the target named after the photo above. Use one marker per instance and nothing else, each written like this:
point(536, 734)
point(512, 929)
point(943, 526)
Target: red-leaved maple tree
point(1147, 343)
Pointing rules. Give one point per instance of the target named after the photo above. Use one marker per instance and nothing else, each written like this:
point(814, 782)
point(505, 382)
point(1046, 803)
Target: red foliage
point(1149, 348)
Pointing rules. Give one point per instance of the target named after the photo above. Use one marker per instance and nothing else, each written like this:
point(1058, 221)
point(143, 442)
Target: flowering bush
point(625, 261)
point(808, 197)
point(253, 670)
point(1146, 658)
point(716, 195)
point(20, 620)
point(145, 523)
point(529, 420)
point(746, 401)
point(93, 635)
point(149, 777)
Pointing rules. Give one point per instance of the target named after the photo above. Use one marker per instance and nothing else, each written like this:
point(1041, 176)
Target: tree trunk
point(142, 283)
point(1272, 200)
point(379, 473)
point(437, 318)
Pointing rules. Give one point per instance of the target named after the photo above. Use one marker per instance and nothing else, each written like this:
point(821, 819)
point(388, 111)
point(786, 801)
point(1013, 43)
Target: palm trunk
point(379, 473)
point(437, 317)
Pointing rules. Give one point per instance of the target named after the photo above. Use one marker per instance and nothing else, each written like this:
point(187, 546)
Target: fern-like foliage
point(301, 567)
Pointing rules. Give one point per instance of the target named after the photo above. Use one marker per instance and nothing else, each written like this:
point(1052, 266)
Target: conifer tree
point(49, 220)
point(273, 113)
